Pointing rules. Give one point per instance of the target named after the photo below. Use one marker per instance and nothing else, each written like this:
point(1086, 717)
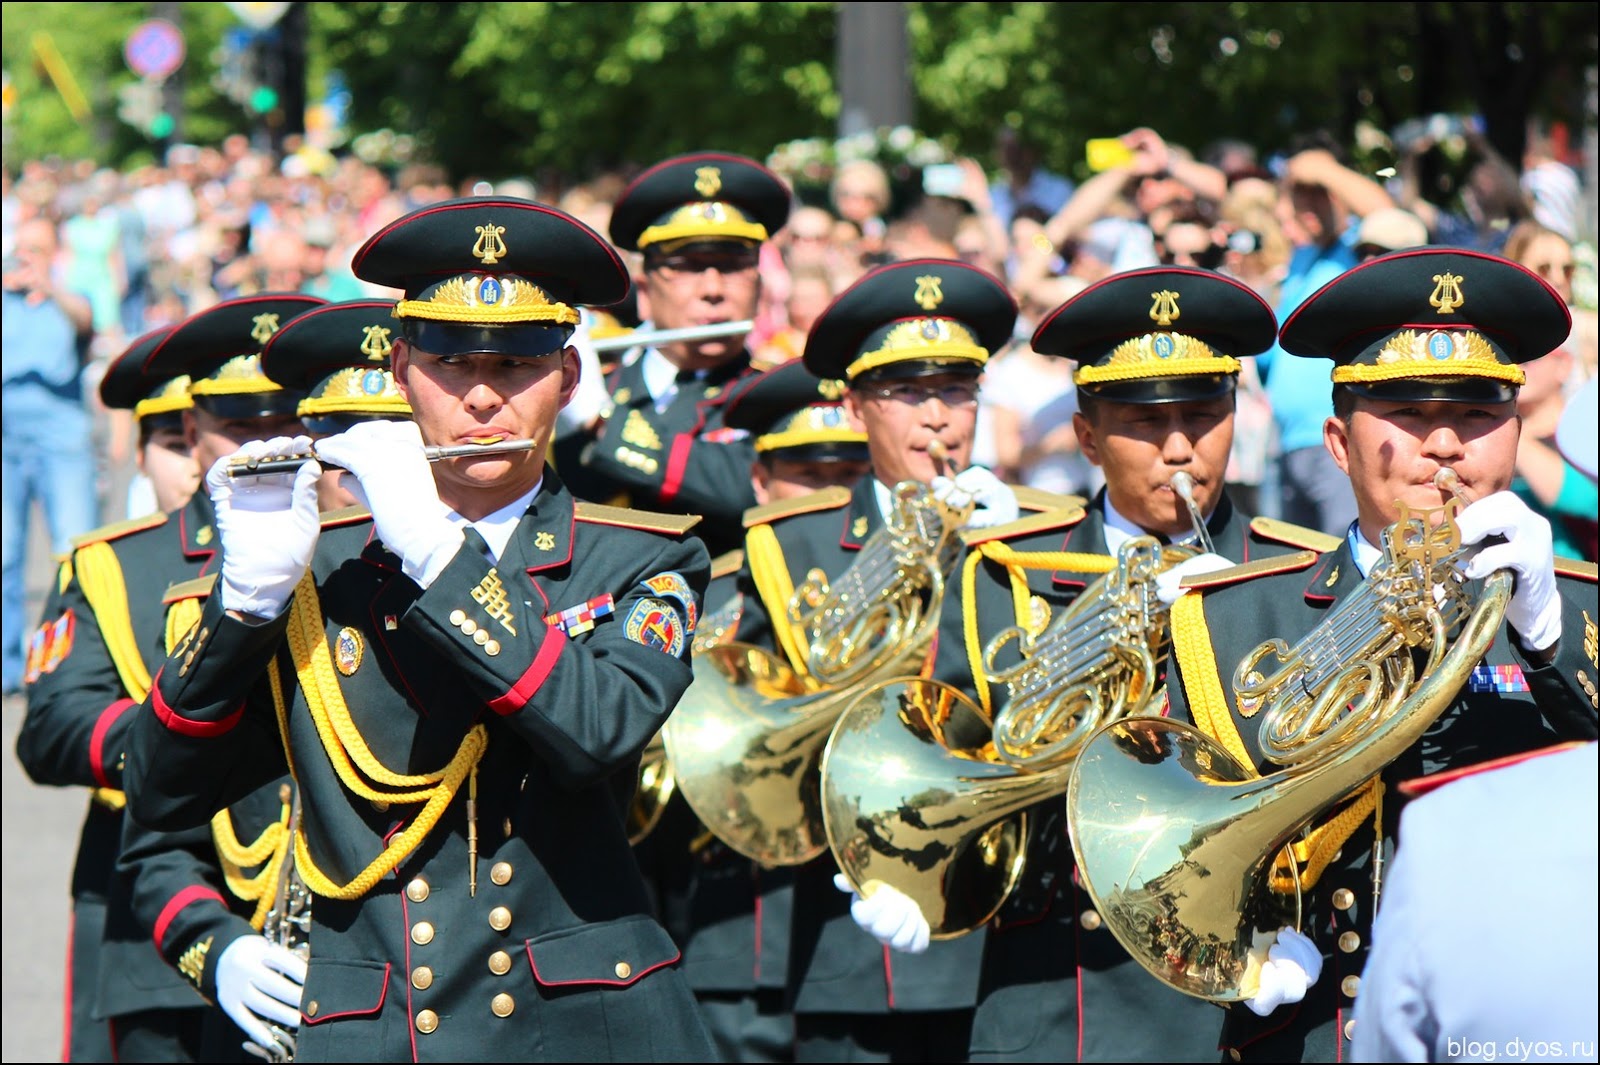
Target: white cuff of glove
point(259, 983)
point(1292, 967)
point(1167, 581)
point(1528, 551)
point(267, 526)
point(888, 915)
point(389, 474)
point(996, 502)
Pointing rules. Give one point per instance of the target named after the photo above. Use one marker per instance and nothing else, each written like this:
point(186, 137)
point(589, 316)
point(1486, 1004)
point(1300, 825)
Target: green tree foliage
point(560, 90)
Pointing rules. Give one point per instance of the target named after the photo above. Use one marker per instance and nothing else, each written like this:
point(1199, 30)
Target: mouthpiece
point(1447, 480)
point(1183, 485)
point(941, 458)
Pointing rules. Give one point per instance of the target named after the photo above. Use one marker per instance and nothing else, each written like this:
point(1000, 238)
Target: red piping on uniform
point(320, 1018)
point(66, 1030)
point(182, 725)
point(677, 462)
point(97, 739)
point(543, 662)
point(191, 894)
point(632, 979)
point(888, 975)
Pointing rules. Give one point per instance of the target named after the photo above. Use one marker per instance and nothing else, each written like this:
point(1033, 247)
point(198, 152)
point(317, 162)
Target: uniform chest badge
point(545, 541)
point(347, 648)
point(576, 620)
point(859, 529)
point(655, 623)
point(1502, 679)
point(202, 535)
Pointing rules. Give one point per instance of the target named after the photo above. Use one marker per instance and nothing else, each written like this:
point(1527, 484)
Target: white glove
point(888, 915)
point(394, 480)
point(996, 502)
point(268, 526)
point(259, 985)
point(1292, 966)
point(1167, 581)
point(1535, 607)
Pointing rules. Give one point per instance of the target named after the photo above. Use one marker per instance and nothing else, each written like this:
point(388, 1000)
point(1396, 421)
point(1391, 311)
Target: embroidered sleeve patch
point(656, 623)
point(671, 585)
point(49, 647)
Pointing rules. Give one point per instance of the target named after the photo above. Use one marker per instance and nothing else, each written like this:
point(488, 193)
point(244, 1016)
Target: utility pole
point(874, 67)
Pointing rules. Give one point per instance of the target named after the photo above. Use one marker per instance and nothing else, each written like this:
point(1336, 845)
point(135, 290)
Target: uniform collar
point(496, 528)
point(865, 515)
point(1362, 551)
point(197, 526)
point(1119, 530)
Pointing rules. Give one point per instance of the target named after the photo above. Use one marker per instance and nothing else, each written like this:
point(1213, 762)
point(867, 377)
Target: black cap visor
point(251, 404)
point(1189, 388)
point(1436, 390)
point(531, 341)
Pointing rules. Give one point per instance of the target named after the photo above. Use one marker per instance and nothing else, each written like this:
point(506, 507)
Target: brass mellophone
point(433, 453)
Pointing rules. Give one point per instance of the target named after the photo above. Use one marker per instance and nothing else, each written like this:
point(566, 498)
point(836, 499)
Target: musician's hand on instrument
point(259, 984)
point(995, 501)
point(888, 915)
point(1168, 581)
point(1292, 965)
point(268, 526)
point(1535, 607)
point(392, 478)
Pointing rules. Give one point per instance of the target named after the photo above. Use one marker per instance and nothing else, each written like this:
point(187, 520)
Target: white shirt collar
point(660, 377)
point(885, 498)
point(1362, 550)
point(496, 528)
point(1119, 530)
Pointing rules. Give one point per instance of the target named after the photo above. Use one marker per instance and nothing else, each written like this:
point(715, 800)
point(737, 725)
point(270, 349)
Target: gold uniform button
point(499, 963)
point(417, 890)
point(1349, 942)
point(1234, 1055)
point(422, 978)
point(1350, 985)
point(480, 637)
point(491, 648)
point(469, 626)
point(311, 1008)
point(1350, 1029)
point(380, 806)
point(422, 933)
point(1090, 920)
point(502, 1005)
point(499, 918)
point(427, 1021)
point(1343, 899)
point(623, 970)
point(500, 873)
point(457, 616)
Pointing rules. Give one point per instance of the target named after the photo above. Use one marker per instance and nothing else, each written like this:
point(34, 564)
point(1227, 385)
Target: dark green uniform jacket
point(78, 718)
point(1057, 986)
point(681, 460)
point(1508, 705)
point(465, 768)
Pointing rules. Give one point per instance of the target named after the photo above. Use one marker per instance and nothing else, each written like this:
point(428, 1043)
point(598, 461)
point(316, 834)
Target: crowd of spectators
point(149, 246)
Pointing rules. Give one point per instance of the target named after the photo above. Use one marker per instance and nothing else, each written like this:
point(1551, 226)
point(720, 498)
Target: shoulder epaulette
point(827, 499)
point(344, 516)
point(1261, 567)
point(727, 563)
point(118, 529)
point(649, 520)
point(1285, 532)
point(1577, 568)
point(1039, 499)
point(1044, 521)
point(198, 588)
point(1422, 785)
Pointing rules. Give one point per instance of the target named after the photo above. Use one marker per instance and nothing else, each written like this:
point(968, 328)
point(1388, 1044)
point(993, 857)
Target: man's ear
point(191, 430)
point(852, 410)
point(1088, 443)
point(399, 362)
point(571, 373)
point(1336, 438)
point(759, 477)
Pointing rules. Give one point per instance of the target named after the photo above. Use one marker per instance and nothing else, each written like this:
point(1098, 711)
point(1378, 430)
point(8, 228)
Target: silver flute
point(433, 453)
point(651, 337)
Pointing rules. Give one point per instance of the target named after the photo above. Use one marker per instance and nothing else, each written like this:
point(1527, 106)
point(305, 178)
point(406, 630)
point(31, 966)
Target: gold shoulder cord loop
point(771, 575)
point(348, 753)
point(99, 574)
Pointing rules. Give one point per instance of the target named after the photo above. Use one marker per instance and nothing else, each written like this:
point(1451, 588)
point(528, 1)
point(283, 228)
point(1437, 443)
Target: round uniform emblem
point(372, 382)
point(347, 651)
point(489, 291)
point(654, 623)
point(1163, 345)
point(1441, 346)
